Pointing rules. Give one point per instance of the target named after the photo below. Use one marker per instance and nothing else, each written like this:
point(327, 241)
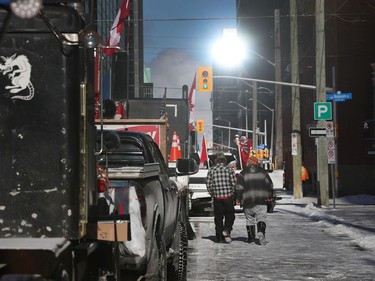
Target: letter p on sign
point(322, 111)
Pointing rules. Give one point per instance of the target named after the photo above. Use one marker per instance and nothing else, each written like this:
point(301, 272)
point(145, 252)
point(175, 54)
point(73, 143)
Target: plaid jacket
point(220, 181)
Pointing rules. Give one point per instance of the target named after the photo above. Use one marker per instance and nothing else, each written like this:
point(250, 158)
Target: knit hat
point(221, 156)
point(252, 161)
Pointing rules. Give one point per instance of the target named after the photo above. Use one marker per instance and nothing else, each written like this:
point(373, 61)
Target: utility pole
point(255, 115)
point(279, 157)
point(296, 111)
point(320, 65)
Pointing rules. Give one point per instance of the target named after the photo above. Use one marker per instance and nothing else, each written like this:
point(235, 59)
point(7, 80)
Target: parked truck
point(138, 185)
point(66, 206)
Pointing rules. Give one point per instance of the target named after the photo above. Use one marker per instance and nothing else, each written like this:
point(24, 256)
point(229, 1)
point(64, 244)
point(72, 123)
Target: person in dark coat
point(253, 191)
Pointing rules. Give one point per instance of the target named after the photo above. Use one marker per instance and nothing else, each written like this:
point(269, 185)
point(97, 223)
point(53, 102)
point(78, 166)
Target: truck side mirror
point(186, 166)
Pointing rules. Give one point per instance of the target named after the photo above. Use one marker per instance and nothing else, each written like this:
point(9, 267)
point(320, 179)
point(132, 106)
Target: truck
point(139, 184)
point(68, 209)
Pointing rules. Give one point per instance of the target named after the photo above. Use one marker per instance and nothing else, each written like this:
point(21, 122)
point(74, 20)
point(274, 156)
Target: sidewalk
point(306, 242)
point(352, 216)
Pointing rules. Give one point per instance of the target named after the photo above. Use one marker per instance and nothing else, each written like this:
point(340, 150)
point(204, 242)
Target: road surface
point(303, 245)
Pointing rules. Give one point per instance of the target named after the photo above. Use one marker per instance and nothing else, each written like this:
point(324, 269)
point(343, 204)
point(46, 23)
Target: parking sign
point(322, 111)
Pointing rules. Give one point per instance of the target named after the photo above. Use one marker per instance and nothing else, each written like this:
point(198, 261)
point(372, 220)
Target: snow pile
point(339, 225)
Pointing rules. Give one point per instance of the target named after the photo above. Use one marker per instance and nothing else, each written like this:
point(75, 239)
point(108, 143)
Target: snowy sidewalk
point(352, 216)
point(306, 242)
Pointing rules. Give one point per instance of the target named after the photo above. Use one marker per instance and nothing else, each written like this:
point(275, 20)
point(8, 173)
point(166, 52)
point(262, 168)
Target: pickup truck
point(140, 186)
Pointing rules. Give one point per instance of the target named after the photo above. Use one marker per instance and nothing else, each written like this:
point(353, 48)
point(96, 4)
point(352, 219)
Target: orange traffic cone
point(179, 148)
point(174, 150)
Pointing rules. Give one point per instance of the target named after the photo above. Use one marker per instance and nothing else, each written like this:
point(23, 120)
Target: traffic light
point(200, 126)
point(205, 79)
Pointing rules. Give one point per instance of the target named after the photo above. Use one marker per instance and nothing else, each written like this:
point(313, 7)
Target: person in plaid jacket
point(221, 180)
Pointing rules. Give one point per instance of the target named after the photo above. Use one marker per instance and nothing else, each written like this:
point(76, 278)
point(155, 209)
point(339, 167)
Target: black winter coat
point(254, 186)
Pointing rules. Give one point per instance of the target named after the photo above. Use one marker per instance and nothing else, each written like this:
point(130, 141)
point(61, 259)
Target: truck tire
point(178, 267)
point(183, 253)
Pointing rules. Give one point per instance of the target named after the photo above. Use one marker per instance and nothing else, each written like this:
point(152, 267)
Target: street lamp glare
point(229, 52)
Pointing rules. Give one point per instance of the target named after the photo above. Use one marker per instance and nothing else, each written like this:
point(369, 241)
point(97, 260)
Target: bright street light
point(230, 50)
point(244, 108)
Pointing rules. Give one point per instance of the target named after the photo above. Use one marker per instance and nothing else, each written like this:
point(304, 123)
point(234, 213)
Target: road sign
point(294, 144)
point(339, 97)
point(317, 132)
point(331, 151)
point(329, 130)
point(322, 111)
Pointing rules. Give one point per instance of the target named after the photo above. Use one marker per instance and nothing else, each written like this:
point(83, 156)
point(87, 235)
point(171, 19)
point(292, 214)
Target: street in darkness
point(305, 243)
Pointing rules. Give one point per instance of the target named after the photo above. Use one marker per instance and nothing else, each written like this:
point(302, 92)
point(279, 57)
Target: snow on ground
point(340, 218)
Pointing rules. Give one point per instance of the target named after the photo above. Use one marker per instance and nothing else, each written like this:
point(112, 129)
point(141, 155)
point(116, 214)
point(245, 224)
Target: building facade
point(350, 51)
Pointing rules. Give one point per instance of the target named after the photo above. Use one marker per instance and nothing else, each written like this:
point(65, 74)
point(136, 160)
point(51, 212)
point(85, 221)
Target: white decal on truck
point(18, 69)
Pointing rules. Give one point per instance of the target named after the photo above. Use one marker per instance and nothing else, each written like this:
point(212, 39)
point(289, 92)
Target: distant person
point(220, 184)
point(304, 173)
point(253, 192)
point(233, 165)
point(304, 178)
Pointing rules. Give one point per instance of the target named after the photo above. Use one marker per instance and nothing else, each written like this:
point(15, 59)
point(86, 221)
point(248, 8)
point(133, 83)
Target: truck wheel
point(183, 253)
point(178, 267)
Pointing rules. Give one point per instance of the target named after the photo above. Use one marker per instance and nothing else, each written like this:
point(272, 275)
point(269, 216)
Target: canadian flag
point(192, 103)
point(117, 27)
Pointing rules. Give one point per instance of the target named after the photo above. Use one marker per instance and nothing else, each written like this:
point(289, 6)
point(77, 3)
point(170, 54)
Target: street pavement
point(306, 242)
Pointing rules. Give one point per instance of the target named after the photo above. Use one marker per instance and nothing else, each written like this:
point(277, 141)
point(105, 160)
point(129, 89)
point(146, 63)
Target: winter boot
point(250, 233)
point(220, 238)
point(262, 232)
point(227, 237)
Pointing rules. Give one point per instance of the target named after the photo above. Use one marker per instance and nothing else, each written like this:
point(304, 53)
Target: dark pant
point(223, 209)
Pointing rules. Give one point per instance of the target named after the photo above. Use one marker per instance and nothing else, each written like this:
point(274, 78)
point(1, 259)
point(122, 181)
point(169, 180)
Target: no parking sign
point(331, 150)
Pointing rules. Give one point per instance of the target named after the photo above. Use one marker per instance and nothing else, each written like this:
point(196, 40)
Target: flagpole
point(205, 147)
point(239, 150)
point(191, 103)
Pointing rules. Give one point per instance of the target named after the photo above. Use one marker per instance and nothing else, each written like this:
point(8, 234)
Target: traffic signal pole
point(311, 87)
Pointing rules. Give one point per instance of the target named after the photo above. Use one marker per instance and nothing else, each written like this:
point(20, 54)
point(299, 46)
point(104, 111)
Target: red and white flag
point(246, 145)
point(191, 99)
point(117, 27)
point(204, 155)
